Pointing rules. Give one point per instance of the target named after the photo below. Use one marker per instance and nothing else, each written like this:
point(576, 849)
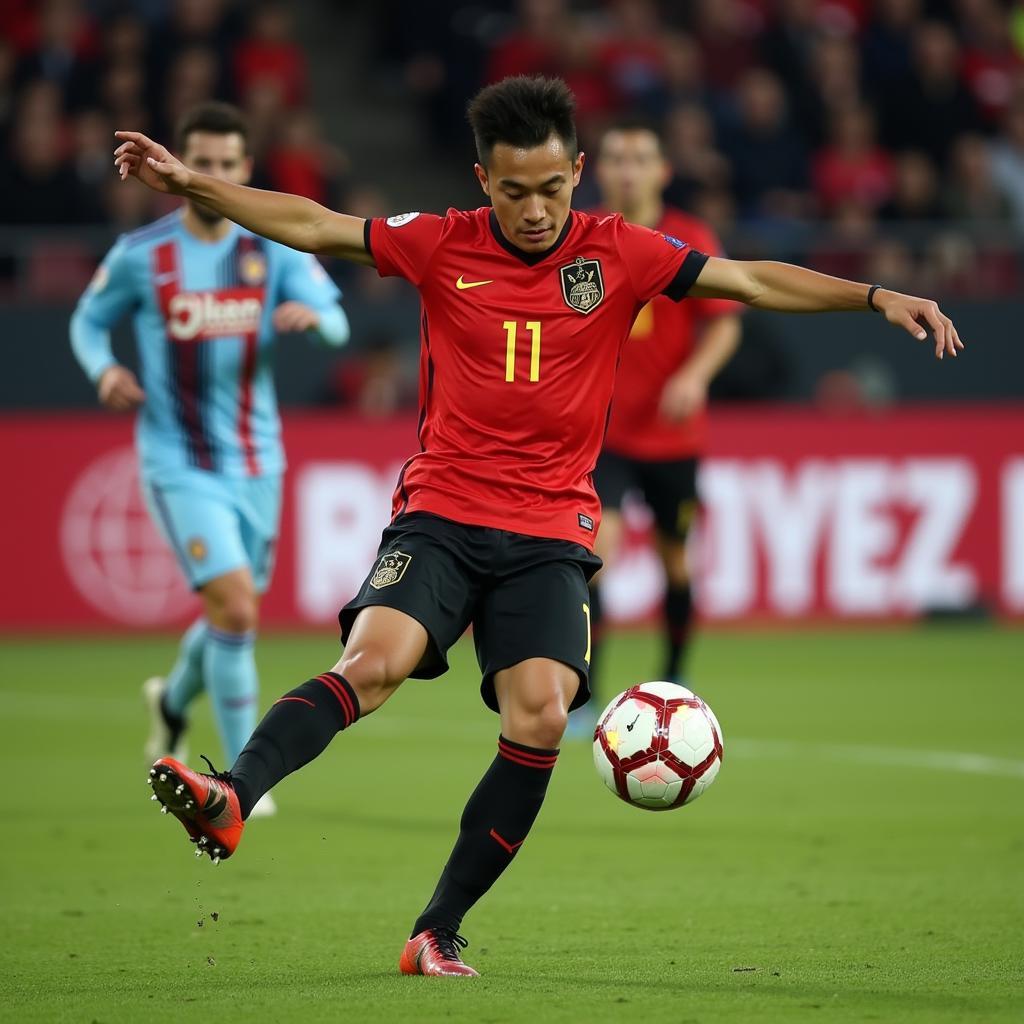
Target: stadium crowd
point(874, 139)
point(888, 119)
point(71, 70)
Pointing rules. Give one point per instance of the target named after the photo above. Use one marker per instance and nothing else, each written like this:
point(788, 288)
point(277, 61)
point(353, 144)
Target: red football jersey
point(518, 360)
point(660, 342)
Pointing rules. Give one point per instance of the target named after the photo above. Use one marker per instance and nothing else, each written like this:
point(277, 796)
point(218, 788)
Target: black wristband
point(871, 298)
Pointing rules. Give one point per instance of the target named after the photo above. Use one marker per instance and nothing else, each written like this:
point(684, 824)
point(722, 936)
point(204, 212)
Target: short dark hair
point(634, 123)
point(213, 117)
point(523, 112)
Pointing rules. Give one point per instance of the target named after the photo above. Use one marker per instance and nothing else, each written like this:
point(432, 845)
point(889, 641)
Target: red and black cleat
point(435, 952)
point(205, 804)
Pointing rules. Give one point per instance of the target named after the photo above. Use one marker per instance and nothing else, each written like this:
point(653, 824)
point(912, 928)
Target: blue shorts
point(217, 524)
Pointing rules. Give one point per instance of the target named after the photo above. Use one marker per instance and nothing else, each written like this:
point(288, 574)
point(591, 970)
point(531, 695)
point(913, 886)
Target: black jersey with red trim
point(518, 359)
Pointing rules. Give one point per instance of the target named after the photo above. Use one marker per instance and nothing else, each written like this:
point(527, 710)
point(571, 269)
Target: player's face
point(220, 156)
point(631, 170)
point(531, 191)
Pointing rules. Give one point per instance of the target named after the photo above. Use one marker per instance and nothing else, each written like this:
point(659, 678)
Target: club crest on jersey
point(390, 569)
point(252, 268)
point(582, 285)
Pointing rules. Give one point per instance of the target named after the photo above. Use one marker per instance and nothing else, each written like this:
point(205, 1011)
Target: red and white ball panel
point(657, 746)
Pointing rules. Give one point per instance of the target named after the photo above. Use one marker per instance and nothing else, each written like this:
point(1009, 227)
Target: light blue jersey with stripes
point(202, 316)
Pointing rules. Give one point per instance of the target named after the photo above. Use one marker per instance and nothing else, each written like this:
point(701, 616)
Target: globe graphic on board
point(115, 556)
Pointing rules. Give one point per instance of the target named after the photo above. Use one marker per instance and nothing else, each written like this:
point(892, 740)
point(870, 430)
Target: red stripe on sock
point(540, 760)
point(508, 847)
point(343, 698)
point(301, 700)
point(511, 755)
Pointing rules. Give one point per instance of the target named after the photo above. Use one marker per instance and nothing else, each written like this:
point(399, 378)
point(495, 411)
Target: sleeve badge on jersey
point(672, 240)
point(582, 285)
point(252, 268)
point(399, 219)
point(390, 569)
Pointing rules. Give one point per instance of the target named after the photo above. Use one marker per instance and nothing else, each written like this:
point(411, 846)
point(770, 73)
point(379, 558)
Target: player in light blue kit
point(207, 299)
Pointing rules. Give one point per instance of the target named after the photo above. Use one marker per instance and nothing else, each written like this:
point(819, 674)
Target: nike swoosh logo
point(629, 728)
point(463, 285)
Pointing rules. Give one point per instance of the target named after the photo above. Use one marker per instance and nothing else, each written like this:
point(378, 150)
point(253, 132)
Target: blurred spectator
point(633, 55)
point(122, 92)
point(303, 163)
point(127, 207)
point(124, 39)
point(716, 207)
point(265, 111)
point(916, 193)
point(270, 52)
point(891, 260)
point(690, 147)
point(578, 64)
point(768, 156)
point(684, 69)
point(7, 84)
point(191, 79)
point(787, 46)
point(373, 380)
point(196, 26)
point(37, 183)
point(532, 47)
point(835, 86)
point(1007, 154)
point(842, 252)
point(887, 46)
point(990, 62)
point(972, 193)
point(727, 39)
point(62, 51)
point(91, 150)
point(932, 104)
point(854, 166)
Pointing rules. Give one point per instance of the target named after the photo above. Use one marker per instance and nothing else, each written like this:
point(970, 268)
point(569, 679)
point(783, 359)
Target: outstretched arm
point(791, 289)
point(291, 220)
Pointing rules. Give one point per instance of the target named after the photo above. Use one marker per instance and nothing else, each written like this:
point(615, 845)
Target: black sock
point(296, 729)
point(678, 617)
point(176, 724)
point(494, 825)
point(596, 638)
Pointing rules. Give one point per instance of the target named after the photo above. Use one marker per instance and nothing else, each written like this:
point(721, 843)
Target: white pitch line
point(900, 757)
point(35, 705)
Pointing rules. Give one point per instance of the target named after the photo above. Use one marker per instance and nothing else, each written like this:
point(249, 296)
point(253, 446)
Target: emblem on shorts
point(197, 549)
point(586, 523)
point(390, 569)
point(582, 285)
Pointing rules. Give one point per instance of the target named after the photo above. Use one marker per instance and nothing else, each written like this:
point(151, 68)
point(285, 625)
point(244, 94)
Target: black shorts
point(669, 487)
point(526, 597)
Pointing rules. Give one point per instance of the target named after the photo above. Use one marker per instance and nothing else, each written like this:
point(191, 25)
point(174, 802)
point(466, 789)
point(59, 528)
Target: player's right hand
point(151, 163)
point(119, 389)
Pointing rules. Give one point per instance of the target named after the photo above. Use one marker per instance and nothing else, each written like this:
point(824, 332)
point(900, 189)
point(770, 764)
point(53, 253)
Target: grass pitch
point(859, 858)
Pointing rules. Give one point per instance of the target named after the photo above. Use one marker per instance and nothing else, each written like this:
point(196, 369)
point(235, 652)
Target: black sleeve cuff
point(366, 236)
point(688, 272)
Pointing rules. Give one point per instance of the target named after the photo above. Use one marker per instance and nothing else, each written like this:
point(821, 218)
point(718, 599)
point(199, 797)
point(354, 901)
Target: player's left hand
point(915, 314)
point(293, 317)
point(684, 394)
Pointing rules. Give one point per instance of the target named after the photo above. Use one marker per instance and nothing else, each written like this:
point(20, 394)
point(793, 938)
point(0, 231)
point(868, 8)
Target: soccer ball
point(657, 746)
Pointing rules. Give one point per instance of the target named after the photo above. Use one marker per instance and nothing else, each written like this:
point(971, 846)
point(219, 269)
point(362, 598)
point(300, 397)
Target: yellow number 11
point(511, 329)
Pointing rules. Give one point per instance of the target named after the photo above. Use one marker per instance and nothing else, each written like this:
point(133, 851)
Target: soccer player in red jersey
point(526, 305)
point(658, 425)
